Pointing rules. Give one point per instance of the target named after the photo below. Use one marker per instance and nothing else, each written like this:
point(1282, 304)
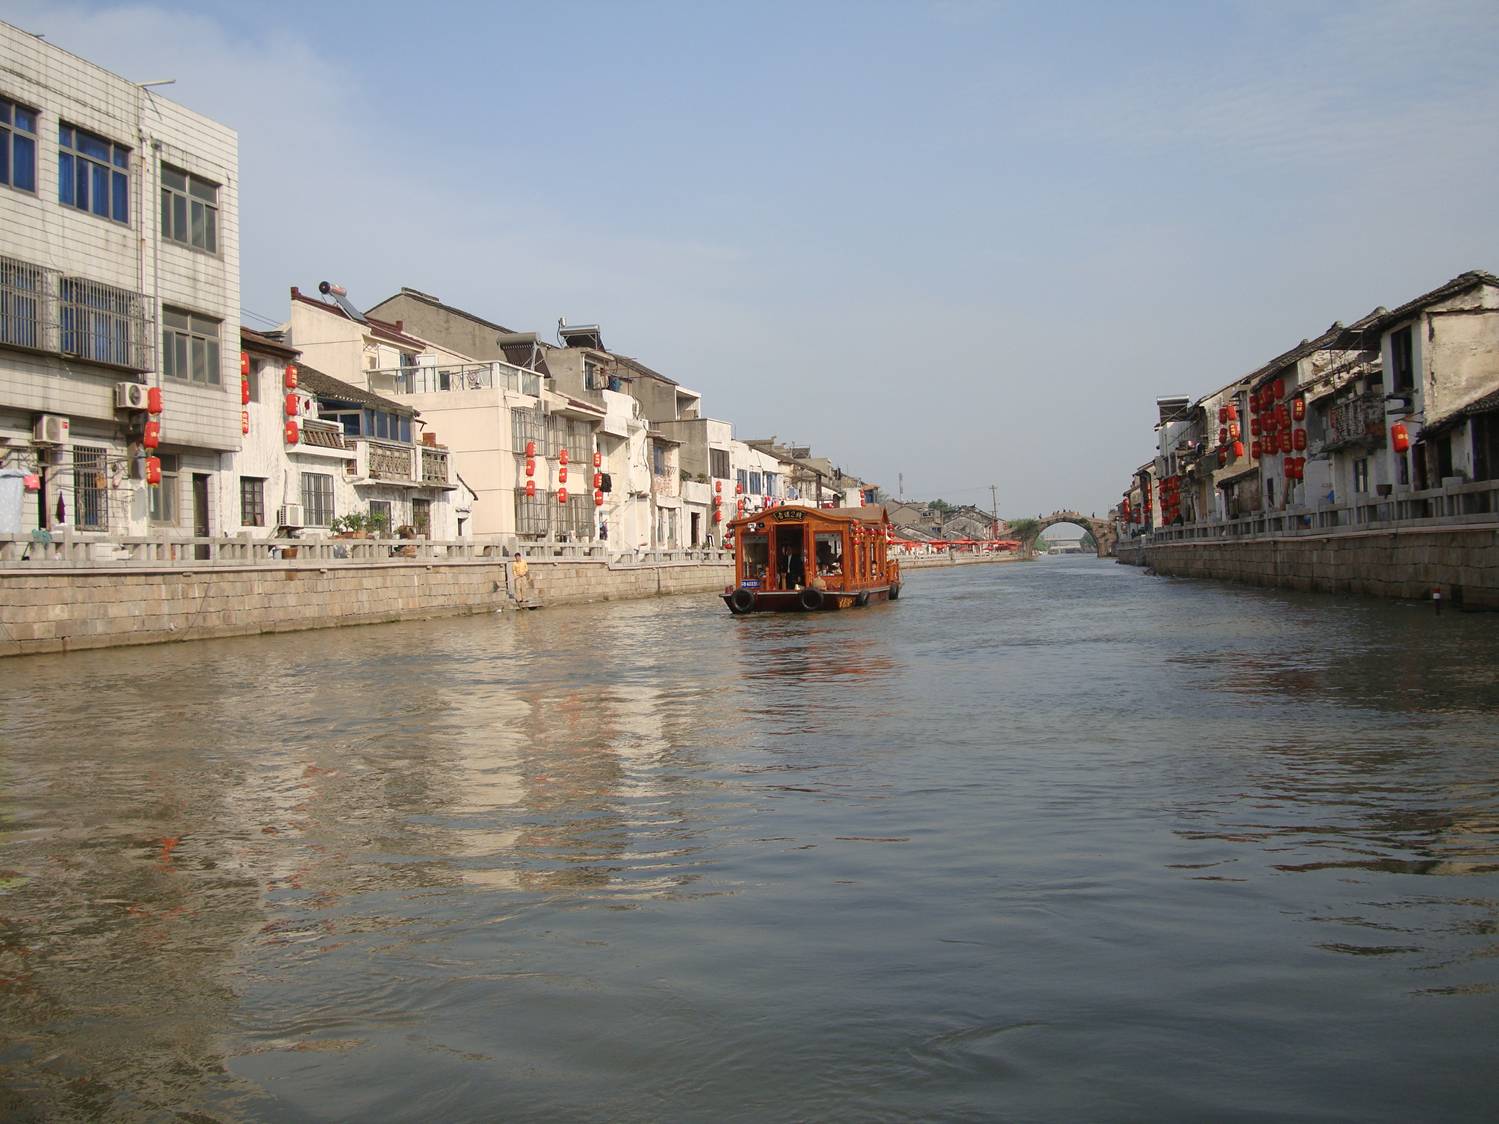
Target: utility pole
point(901, 476)
point(994, 510)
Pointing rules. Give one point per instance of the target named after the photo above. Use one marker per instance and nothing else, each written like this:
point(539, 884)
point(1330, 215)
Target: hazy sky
point(967, 242)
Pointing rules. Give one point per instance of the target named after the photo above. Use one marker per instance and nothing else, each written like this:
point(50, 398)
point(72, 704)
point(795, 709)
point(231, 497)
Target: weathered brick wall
point(1462, 562)
point(64, 611)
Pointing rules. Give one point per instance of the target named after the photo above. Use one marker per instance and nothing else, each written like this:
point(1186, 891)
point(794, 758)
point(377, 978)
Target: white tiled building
point(119, 269)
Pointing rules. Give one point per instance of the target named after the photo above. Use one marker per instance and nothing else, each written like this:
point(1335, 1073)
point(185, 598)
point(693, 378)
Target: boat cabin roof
point(871, 514)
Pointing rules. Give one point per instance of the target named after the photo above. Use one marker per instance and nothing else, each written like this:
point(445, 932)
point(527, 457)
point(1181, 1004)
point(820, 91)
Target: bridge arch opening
point(1101, 530)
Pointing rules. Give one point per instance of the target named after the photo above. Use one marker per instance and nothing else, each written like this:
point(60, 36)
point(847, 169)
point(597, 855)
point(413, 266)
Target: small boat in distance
point(804, 559)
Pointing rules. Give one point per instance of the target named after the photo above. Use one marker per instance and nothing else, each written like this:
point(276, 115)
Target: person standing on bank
point(520, 581)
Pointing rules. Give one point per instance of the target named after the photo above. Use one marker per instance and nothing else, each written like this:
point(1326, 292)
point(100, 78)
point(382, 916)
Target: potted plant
point(405, 531)
point(354, 525)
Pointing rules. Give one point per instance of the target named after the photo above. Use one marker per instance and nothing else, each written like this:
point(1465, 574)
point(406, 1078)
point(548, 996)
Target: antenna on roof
point(340, 296)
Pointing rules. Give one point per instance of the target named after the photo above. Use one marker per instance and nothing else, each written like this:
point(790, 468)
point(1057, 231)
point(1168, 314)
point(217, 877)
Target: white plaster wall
point(199, 423)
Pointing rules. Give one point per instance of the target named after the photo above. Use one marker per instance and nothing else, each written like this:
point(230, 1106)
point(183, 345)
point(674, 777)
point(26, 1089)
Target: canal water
point(1054, 841)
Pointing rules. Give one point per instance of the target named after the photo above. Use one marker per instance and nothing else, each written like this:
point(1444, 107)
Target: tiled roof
point(1484, 405)
point(1458, 284)
point(252, 340)
point(326, 386)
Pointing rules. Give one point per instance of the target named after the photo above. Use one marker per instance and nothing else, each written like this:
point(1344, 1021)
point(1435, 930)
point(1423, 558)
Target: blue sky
point(968, 243)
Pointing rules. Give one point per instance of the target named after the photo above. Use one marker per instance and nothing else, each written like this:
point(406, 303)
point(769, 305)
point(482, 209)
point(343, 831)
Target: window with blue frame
point(379, 424)
point(770, 484)
point(17, 146)
point(754, 484)
point(93, 174)
point(741, 477)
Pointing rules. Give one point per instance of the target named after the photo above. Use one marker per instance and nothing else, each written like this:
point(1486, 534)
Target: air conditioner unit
point(50, 430)
point(130, 396)
point(290, 515)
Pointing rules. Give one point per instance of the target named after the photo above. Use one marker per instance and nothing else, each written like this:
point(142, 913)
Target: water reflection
point(585, 862)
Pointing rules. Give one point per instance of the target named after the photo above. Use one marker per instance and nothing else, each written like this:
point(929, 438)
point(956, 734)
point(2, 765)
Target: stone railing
point(74, 550)
point(1457, 503)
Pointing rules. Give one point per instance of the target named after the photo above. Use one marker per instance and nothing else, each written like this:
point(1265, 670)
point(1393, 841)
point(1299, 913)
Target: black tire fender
point(895, 592)
point(810, 600)
point(741, 601)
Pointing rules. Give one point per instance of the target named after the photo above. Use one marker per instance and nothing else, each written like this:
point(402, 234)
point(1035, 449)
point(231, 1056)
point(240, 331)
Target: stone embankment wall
point(63, 611)
point(924, 562)
point(1461, 562)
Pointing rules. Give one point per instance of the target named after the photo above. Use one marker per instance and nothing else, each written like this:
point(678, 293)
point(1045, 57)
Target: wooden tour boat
point(803, 559)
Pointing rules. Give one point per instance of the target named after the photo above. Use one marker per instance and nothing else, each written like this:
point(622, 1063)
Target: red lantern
point(153, 470)
point(1222, 414)
point(561, 495)
point(1288, 469)
point(1298, 408)
point(290, 378)
point(530, 448)
point(598, 459)
point(717, 500)
point(741, 507)
point(718, 486)
point(1238, 449)
point(1233, 412)
point(244, 392)
point(1283, 416)
point(1279, 388)
point(738, 488)
point(1400, 437)
point(1300, 466)
point(1254, 403)
point(244, 421)
point(291, 405)
point(153, 400)
point(292, 432)
point(1298, 440)
point(244, 363)
point(1254, 427)
point(1255, 450)
point(530, 467)
point(1222, 435)
point(1222, 457)
point(716, 516)
point(598, 480)
point(598, 498)
point(1233, 430)
point(562, 457)
point(530, 489)
point(562, 474)
point(152, 436)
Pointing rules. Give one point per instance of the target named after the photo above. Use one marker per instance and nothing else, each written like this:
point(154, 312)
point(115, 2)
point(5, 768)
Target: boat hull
point(798, 601)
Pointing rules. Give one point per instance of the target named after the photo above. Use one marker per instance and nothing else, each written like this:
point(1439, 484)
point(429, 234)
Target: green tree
point(1027, 531)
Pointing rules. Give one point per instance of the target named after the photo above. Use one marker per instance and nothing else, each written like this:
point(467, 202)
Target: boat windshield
point(829, 552)
point(756, 555)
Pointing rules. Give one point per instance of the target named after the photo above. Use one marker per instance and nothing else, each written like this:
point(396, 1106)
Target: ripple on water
point(1057, 841)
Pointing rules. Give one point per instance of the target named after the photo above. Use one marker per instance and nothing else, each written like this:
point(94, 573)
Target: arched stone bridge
point(1100, 529)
